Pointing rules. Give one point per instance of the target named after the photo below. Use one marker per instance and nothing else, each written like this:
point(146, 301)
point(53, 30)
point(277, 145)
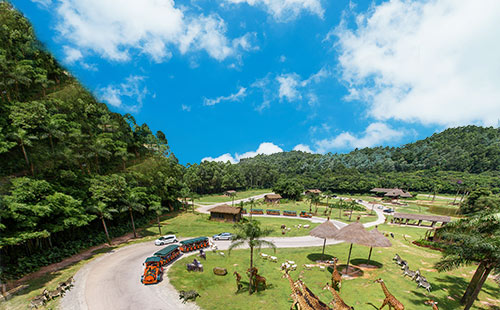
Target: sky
point(230, 79)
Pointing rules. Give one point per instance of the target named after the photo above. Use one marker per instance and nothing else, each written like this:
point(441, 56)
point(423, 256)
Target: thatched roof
point(356, 233)
point(273, 196)
point(381, 190)
point(231, 191)
point(225, 209)
point(313, 191)
point(382, 241)
point(398, 193)
point(326, 230)
point(423, 217)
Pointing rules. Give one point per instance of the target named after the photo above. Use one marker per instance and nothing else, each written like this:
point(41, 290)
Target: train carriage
point(194, 244)
point(273, 212)
point(168, 254)
point(257, 211)
point(290, 213)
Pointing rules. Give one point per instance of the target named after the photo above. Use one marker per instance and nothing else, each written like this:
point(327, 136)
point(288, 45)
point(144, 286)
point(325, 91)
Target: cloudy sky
point(230, 79)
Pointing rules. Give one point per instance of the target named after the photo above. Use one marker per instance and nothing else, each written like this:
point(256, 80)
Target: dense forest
point(69, 166)
point(74, 174)
point(461, 158)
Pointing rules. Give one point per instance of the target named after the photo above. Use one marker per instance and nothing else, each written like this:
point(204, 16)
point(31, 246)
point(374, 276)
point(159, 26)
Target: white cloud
point(186, 108)
point(285, 10)
point(117, 29)
point(131, 90)
point(288, 86)
point(282, 58)
point(303, 148)
point(291, 85)
point(264, 148)
point(375, 134)
point(71, 54)
point(433, 62)
point(43, 3)
point(223, 158)
point(233, 97)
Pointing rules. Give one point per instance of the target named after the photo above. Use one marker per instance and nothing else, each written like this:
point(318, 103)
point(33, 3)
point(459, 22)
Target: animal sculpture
point(337, 302)
point(389, 298)
point(336, 276)
point(432, 303)
point(188, 295)
point(238, 279)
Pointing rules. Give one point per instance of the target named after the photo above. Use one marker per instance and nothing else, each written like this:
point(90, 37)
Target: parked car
point(166, 240)
point(390, 210)
point(223, 236)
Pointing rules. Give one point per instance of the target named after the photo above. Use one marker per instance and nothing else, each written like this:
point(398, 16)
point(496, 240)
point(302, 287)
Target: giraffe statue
point(298, 298)
point(338, 303)
point(389, 298)
point(432, 303)
point(336, 276)
point(312, 299)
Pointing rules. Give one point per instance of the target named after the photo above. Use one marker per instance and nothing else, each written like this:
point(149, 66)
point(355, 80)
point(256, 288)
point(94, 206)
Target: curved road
point(112, 281)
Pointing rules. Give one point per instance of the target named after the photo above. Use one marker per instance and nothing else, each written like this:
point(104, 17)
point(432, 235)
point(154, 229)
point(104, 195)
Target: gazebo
point(326, 231)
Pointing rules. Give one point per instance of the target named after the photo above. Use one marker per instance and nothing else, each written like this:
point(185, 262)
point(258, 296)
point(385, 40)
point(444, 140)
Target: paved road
point(112, 281)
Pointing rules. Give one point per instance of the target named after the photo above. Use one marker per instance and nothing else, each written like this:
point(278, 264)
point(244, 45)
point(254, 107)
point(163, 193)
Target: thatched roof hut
point(326, 231)
point(225, 213)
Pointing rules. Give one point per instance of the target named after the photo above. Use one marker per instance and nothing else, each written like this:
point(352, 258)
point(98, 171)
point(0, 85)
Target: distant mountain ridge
point(471, 149)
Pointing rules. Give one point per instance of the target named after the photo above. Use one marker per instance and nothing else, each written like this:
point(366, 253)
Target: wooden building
point(312, 192)
point(225, 213)
point(394, 193)
point(230, 193)
point(272, 198)
point(417, 219)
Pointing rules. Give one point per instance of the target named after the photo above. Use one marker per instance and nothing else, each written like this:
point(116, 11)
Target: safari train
point(153, 270)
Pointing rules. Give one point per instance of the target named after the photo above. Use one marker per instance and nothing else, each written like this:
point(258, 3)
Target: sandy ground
point(112, 281)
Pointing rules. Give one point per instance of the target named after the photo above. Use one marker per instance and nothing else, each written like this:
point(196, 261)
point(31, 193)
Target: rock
point(220, 271)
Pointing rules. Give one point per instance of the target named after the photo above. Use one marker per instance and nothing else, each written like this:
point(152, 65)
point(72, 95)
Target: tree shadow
point(353, 271)
point(318, 256)
point(456, 286)
point(362, 261)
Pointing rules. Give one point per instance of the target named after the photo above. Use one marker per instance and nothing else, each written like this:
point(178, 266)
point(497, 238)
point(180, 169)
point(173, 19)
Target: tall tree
point(134, 203)
point(104, 212)
point(250, 233)
point(475, 239)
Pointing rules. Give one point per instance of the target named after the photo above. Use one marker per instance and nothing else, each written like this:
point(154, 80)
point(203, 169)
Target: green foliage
point(289, 189)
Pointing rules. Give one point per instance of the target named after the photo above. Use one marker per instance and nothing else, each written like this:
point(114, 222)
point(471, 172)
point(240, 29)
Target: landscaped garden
point(219, 292)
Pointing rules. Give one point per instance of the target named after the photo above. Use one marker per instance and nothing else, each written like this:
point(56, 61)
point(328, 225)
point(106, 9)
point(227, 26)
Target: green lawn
point(195, 224)
point(219, 292)
point(216, 198)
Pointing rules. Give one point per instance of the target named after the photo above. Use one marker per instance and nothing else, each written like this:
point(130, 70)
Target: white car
point(166, 240)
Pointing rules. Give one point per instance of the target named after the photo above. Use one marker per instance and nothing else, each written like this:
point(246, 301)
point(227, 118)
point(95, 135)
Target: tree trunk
point(106, 230)
point(132, 220)
point(478, 288)
point(51, 143)
point(24, 153)
point(251, 275)
point(159, 225)
point(473, 282)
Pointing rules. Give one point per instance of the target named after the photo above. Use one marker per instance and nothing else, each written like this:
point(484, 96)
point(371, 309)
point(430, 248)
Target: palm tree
point(249, 232)
point(472, 240)
point(103, 212)
point(155, 205)
point(133, 203)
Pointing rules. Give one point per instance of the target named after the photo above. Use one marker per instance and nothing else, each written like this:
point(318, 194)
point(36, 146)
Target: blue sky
point(229, 79)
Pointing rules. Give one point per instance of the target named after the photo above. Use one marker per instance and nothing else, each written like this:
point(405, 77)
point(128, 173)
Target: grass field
point(216, 198)
point(195, 224)
point(219, 292)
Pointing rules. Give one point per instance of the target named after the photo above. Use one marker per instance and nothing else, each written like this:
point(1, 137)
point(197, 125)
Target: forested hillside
point(68, 164)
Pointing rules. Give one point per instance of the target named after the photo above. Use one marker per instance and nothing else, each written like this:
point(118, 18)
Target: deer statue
point(257, 279)
point(432, 303)
point(238, 279)
point(336, 276)
point(389, 298)
point(337, 302)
